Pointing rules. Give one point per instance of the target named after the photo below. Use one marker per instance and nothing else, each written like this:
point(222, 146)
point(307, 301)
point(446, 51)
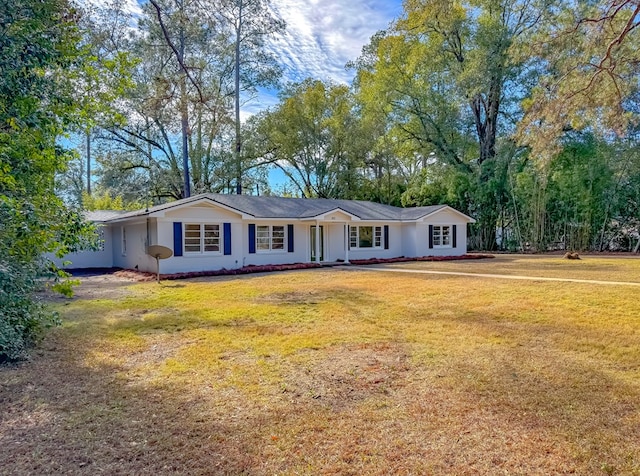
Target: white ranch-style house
point(211, 232)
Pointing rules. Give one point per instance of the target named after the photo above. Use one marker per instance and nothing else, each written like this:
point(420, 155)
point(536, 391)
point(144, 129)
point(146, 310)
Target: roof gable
point(424, 213)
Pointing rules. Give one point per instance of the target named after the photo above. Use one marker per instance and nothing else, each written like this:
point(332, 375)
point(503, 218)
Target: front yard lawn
point(336, 371)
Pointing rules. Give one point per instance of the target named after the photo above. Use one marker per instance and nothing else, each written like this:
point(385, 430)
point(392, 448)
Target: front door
point(313, 243)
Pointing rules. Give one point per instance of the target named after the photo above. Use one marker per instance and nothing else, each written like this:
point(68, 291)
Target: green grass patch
point(338, 371)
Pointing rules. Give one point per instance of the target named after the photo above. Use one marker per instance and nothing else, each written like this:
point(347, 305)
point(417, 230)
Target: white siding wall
point(444, 217)
point(395, 243)
point(102, 258)
point(300, 246)
point(334, 241)
point(200, 261)
point(409, 239)
point(136, 252)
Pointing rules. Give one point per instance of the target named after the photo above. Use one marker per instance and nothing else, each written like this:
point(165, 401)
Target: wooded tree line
point(520, 113)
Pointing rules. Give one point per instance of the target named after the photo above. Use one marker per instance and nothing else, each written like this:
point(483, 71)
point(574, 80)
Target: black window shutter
point(386, 237)
point(252, 238)
point(226, 234)
point(430, 236)
point(290, 238)
point(455, 235)
point(177, 238)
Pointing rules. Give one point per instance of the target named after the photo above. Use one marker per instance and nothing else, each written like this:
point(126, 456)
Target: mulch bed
point(145, 276)
point(402, 259)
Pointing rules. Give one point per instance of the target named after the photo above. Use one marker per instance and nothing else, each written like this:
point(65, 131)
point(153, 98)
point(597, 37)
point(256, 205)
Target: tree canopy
point(41, 62)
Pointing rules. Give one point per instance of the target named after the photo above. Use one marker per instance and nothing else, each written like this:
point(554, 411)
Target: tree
point(40, 59)
point(589, 50)
point(440, 74)
point(312, 137)
point(182, 89)
point(104, 78)
point(250, 23)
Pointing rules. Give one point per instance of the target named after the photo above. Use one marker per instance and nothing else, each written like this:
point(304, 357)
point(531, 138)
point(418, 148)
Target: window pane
point(263, 237)
point(192, 238)
point(437, 235)
point(212, 237)
point(366, 237)
point(211, 230)
point(353, 237)
point(378, 237)
point(446, 235)
point(277, 240)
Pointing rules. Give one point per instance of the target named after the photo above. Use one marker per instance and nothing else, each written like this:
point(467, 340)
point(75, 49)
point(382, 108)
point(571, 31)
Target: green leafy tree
point(180, 132)
point(440, 74)
point(40, 59)
point(310, 136)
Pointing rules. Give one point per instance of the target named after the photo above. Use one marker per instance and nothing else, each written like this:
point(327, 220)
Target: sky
point(321, 37)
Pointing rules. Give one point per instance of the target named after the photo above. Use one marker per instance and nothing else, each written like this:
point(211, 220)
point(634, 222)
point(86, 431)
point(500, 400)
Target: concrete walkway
point(386, 269)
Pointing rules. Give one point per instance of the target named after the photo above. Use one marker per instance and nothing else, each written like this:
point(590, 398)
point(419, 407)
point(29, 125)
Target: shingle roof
point(103, 215)
point(281, 207)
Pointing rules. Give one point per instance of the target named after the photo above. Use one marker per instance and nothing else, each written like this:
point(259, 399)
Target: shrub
point(23, 318)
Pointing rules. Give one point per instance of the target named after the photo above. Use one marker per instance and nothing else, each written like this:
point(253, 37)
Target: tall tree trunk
point(184, 116)
point(485, 111)
point(238, 148)
point(89, 162)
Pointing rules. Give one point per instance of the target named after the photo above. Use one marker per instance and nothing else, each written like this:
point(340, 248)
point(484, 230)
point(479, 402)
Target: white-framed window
point(202, 238)
point(365, 236)
point(270, 238)
point(124, 241)
point(441, 236)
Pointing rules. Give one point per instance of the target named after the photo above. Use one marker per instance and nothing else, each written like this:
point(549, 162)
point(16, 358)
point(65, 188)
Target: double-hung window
point(270, 237)
point(365, 236)
point(441, 236)
point(202, 238)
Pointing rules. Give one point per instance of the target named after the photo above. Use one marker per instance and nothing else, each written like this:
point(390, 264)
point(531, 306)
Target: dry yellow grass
point(594, 267)
point(337, 371)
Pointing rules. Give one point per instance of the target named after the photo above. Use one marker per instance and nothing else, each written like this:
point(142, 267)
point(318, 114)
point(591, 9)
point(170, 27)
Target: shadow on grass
point(62, 416)
point(534, 378)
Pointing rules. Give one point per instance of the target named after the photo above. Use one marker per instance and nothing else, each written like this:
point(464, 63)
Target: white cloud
point(323, 35)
